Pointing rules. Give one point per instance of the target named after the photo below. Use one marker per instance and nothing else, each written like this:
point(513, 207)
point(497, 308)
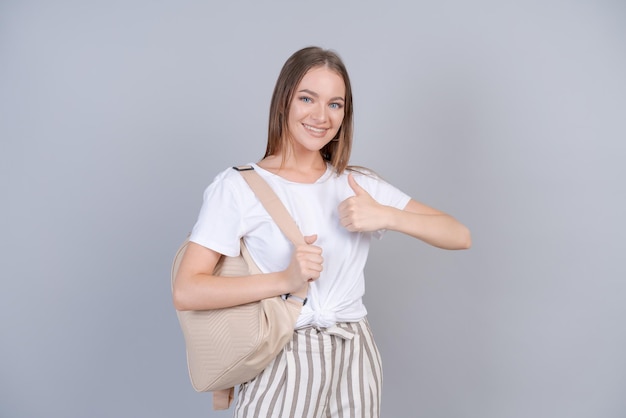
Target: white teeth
point(318, 130)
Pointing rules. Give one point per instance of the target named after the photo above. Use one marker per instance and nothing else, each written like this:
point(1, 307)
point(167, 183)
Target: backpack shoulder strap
point(271, 202)
point(279, 214)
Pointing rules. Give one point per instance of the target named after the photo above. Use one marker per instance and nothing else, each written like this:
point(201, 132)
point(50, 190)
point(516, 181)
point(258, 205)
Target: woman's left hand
point(361, 213)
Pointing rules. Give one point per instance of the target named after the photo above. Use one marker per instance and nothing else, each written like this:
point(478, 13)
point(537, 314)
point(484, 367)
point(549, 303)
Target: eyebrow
point(314, 94)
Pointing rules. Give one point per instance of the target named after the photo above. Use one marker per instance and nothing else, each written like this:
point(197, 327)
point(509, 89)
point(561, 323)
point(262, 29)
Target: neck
point(297, 157)
point(298, 168)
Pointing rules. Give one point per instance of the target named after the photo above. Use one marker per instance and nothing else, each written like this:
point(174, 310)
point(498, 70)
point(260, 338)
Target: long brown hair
point(337, 151)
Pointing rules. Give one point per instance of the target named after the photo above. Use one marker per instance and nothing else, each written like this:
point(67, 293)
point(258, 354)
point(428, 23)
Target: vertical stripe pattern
point(322, 373)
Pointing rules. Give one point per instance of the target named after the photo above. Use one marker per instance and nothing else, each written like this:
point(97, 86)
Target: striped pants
point(321, 373)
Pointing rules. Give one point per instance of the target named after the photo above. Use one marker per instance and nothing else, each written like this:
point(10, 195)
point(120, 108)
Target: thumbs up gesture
point(361, 213)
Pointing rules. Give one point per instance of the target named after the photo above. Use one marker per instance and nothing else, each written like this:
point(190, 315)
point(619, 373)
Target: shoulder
point(227, 174)
point(228, 177)
point(364, 175)
point(227, 186)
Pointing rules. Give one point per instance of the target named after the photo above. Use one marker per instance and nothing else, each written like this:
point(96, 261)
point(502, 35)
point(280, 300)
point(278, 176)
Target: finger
point(358, 190)
point(310, 239)
point(344, 220)
point(347, 207)
point(313, 269)
point(307, 261)
point(309, 252)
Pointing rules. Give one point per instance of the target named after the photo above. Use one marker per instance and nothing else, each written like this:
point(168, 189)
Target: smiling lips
point(314, 130)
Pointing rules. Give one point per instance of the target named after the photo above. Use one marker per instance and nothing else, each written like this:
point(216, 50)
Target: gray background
point(115, 115)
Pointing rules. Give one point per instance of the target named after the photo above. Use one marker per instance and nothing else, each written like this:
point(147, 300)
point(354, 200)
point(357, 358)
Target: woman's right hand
point(305, 266)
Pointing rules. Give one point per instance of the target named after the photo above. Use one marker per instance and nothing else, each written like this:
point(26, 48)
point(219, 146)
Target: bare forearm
point(202, 291)
point(440, 230)
point(196, 289)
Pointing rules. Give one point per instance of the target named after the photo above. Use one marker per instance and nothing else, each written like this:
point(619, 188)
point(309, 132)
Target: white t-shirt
point(230, 210)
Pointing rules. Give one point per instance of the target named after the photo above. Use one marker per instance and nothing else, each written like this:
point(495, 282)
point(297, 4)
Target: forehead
point(323, 80)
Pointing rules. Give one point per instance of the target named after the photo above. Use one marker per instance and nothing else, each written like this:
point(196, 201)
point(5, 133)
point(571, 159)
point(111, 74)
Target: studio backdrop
point(114, 117)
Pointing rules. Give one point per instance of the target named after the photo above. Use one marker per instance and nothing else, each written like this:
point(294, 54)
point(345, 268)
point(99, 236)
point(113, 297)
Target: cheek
point(295, 114)
point(338, 119)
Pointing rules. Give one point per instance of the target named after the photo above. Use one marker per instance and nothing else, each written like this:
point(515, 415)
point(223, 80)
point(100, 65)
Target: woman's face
point(316, 110)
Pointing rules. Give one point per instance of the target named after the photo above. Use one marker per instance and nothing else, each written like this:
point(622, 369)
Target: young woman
point(332, 366)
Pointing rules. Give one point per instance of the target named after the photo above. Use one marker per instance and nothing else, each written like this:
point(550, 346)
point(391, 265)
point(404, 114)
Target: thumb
point(358, 190)
point(310, 239)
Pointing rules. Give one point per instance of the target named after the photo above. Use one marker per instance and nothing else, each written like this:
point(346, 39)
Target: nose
point(319, 113)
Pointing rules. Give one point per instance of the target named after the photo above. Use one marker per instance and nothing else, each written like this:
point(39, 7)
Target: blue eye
point(306, 99)
point(335, 106)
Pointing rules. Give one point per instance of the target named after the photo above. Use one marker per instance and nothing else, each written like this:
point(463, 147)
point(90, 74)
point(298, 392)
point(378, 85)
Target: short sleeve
point(219, 223)
point(383, 192)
